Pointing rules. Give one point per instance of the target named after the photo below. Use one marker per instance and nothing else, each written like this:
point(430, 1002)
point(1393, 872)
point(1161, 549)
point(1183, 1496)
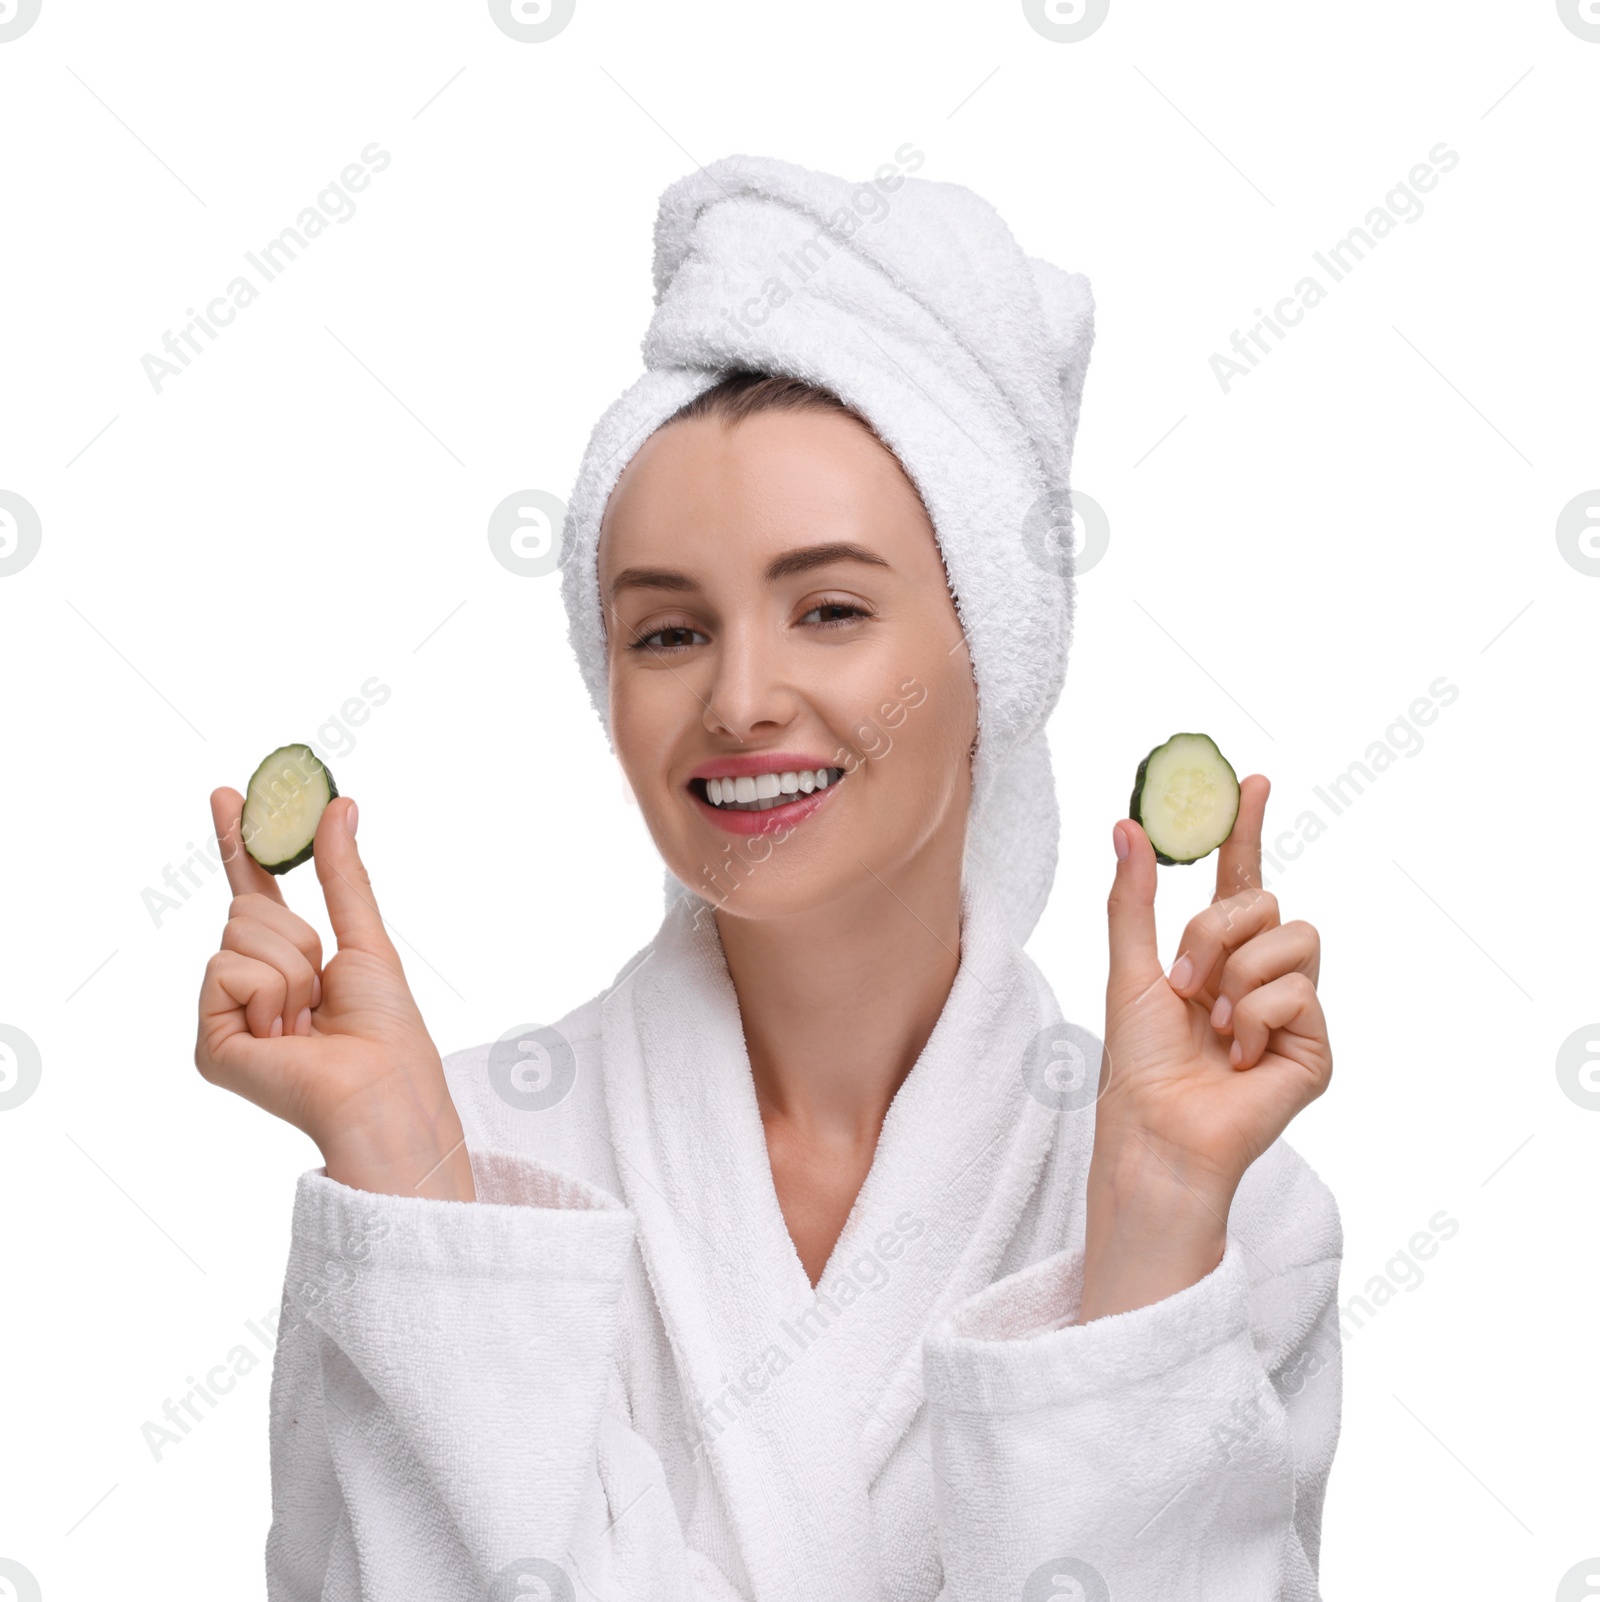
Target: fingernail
point(1182, 973)
point(1119, 841)
point(276, 1029)
point(316, 990)
point(1236, 1054)
point(302, 1024)
point(352, 818)
point(1221, 1013)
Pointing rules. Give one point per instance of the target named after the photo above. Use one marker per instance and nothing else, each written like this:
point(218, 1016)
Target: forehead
point(703, 489)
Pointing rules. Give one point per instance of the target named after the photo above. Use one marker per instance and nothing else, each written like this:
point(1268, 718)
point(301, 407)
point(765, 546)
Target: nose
point(750, 696)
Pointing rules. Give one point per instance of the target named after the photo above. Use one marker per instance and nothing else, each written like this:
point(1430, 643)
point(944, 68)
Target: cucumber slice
point(1185, 798)
point(282, 805)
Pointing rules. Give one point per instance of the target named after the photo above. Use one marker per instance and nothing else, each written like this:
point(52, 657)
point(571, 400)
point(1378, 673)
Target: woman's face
point(775, 604)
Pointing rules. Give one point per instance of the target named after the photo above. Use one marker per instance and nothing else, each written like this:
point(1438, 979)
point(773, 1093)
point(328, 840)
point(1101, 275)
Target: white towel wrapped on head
point(967, 356)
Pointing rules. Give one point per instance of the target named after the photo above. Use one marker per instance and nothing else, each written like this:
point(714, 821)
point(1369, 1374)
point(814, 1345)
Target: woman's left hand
point(1205, 1066)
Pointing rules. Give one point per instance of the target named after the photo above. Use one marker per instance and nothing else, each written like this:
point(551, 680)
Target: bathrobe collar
point(801, 1395)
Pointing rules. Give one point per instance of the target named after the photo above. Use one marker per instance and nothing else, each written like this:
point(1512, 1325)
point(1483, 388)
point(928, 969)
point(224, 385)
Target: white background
point(1292, 563)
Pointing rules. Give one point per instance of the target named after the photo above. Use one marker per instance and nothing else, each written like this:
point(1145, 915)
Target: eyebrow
point(802, 559)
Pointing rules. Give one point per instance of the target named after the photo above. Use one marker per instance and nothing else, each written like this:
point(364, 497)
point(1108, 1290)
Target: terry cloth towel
point(610, 1378)
point(911, 300)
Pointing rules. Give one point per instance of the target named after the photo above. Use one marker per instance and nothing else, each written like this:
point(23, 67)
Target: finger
point(1131, 917)
point(352, 907)
point(1239, 857)
point(265, 1072)
point(291, 926)
point(1210, 935)
point(1288, 948)
point(237, 983)
point(246, 876)
point(254, 939)
point(1282, 1013)
point(1285, 948)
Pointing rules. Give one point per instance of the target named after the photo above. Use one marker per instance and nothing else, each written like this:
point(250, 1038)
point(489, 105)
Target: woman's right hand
point(340, 1051)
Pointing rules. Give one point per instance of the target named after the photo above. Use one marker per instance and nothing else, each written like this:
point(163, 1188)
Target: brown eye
point(835, 612)
point(674, 637)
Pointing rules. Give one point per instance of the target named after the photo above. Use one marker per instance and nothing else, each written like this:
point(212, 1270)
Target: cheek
point(915, 722)
point(941, 719)
point(643, 726)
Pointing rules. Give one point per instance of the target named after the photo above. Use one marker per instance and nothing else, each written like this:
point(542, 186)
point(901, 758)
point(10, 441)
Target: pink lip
point(741, 767)
point(779, 817)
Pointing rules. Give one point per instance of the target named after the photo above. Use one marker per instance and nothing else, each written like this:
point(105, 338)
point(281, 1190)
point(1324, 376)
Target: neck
point(837, 1003)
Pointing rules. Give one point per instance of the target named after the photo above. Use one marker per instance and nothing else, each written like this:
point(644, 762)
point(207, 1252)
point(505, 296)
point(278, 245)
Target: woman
point(818, 1256)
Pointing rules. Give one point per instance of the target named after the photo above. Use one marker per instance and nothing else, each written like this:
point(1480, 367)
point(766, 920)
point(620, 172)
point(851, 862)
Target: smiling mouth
point(761, 792)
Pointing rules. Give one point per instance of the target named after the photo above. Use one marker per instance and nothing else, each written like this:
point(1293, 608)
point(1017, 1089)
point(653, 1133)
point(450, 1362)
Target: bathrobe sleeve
point(1180, 1450)
point(445, 1418)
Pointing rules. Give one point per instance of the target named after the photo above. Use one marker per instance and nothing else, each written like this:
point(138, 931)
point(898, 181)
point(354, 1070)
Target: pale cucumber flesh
point(282, 806)
point(1185, 797)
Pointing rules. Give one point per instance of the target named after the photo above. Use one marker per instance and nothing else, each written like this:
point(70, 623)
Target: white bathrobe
point(609, 1376)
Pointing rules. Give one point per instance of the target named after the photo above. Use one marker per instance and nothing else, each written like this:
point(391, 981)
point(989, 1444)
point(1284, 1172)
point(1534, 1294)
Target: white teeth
point(760, 792)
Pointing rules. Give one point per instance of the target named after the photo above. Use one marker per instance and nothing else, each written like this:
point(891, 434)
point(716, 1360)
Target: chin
point(795, 881)
point(761, 886)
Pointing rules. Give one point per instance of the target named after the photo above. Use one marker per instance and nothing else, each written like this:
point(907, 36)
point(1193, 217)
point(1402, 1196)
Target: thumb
point(1131, 915)
point(352, 907)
